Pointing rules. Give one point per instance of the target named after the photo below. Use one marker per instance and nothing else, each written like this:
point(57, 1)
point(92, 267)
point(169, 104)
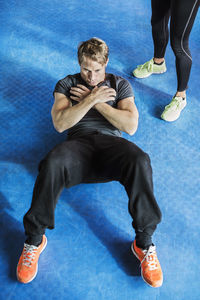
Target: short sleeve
point(63, 86)
point(124, 90)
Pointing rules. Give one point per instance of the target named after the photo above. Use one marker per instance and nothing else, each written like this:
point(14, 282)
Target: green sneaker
point(149, 68)
point(173, 109)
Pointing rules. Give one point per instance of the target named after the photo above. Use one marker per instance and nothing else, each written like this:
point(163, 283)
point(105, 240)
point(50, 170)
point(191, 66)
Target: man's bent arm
point(124, 117)
point(64, 115)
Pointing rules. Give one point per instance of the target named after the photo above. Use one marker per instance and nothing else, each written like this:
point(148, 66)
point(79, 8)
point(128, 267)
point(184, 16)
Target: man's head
point(93, 59)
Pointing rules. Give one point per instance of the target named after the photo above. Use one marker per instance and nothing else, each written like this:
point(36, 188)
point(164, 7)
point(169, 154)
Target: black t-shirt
point(93, 121)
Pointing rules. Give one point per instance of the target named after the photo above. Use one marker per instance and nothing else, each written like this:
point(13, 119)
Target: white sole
point(157, 73)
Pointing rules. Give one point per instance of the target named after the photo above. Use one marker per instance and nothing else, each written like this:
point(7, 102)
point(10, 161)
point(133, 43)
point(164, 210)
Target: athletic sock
point(159, 64)
point(182, 98)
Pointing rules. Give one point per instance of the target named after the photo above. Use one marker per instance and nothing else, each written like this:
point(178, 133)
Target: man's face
point(92, 72)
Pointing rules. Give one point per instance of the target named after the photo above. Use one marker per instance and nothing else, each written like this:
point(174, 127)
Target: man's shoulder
point(118, 79)
point(121, 85)
point(63, 85)
point(71, 77)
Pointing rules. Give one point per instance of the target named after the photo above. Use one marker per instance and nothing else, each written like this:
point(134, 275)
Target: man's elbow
point(58, 127)
point(133, 126)
point(132, 130)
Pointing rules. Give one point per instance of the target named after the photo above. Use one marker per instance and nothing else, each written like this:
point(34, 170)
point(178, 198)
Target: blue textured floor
point(88, 254)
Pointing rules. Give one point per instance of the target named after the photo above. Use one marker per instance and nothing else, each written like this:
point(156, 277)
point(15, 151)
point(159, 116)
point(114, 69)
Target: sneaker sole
point(36, 268)
point(154, 73)
point(132, 248)
point(172, 120)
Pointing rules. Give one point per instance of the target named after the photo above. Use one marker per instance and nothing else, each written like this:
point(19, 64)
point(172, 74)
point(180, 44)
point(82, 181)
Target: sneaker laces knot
point(148, 65)
point(175, 103)
point(29, 254)
point(151, 258)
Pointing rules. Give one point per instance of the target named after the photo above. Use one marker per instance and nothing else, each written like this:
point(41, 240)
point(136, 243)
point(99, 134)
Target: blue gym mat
point(88, 254)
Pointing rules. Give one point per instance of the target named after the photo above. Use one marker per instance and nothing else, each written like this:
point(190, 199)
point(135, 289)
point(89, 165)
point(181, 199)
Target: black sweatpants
point(183, 13)
point(90, 159)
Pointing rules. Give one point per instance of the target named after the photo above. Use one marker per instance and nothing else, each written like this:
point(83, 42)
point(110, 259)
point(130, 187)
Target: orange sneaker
point(28, 263)
point(150, 267)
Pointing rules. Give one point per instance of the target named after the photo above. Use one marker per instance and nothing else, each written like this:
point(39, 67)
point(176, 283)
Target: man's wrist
point(100, 106)
point(91, 100)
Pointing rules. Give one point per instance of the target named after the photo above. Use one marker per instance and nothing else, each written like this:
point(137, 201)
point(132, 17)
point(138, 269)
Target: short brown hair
point(95, 48)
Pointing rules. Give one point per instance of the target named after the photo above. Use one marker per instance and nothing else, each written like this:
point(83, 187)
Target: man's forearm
point(69, 117)
point(124, 120)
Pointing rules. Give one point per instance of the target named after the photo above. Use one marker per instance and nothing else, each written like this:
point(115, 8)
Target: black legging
point(183, 13)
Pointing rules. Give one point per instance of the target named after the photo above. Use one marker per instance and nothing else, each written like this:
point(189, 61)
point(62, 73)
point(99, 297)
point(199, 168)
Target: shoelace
point(150, 257)
point(175, 103)
point(148, 65)
point(29, 254)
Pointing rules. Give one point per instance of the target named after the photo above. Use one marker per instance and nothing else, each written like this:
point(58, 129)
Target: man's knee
point(143, 160)
point(137, 156)
point(180, 48)
point(51, 162)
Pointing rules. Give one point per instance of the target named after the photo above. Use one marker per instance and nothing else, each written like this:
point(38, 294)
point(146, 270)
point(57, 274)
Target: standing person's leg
point(68, 164)
point(160, 31)
point(123, 161)
point(183, 14)
point(182, 20)
point(160, 34)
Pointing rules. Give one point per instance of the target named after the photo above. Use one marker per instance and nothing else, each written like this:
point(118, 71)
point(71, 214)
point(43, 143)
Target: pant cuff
point(35, 240)
point(143, 240)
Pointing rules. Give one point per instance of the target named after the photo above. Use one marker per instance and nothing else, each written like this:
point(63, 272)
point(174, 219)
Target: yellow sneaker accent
point(149, 68)
point(173, 109)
